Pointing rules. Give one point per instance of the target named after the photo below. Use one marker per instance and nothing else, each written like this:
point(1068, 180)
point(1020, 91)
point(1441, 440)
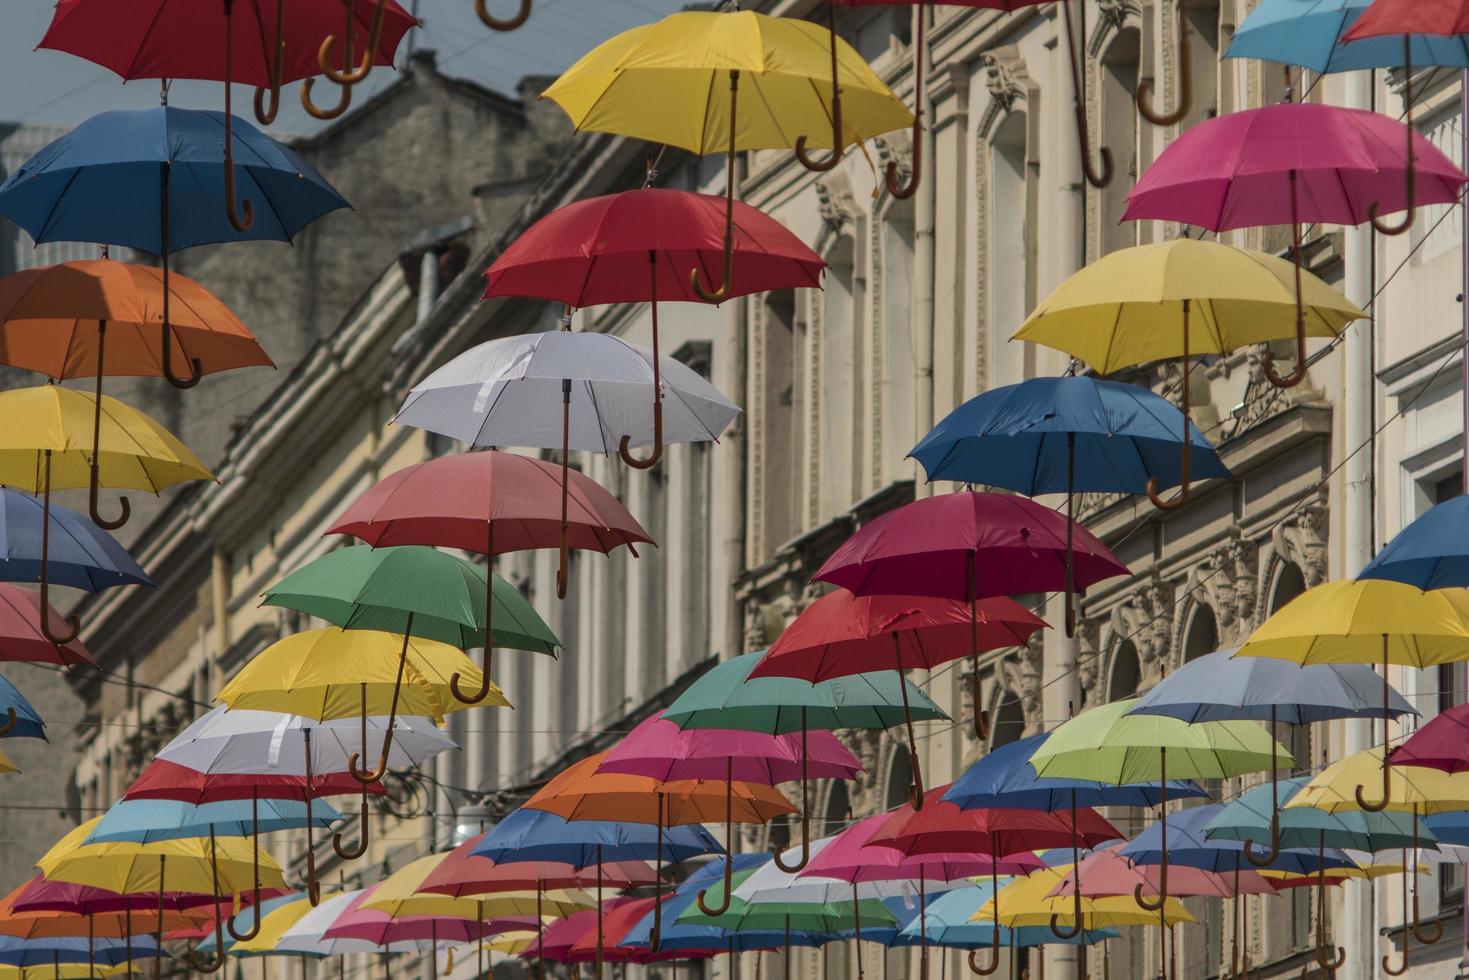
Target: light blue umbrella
point(1308, 33)
point(1308, 827)
point(46, 951)
point(1221, 687)
point(149, 821)
point(248, 918)
point(948, 924)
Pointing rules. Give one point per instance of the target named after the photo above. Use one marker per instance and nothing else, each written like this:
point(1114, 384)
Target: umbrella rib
point(138, 51)
point(45, 229)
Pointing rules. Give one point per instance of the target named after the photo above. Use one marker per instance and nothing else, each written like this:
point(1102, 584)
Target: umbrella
point(660, 750)
point(505, 392)
point(149, 821)
point(1152, 302)
point(1367, 622)
point(1295, 33)
point(166, 39)
point(290, 906)
point(1108, 743)
point(22, 720)
point(164, 780)
point(1430, 553)
point(151, 179)
point(934, 547)
point(1440, 744)
point(1294, 163)
point(21, 639)
point(77, 553)
point(401, 897)
point(56, 908)
point(619, 917)
point(1052, 435)
point(842, 633)
point(416, 591)
point(44, 449)
point(637, 247)
point(54, 319)
point(464, 873)
point(492, 503)
point(1221, 687)
point(204, 864)
point(357, 922)
point(948, 921)
point(663, 83)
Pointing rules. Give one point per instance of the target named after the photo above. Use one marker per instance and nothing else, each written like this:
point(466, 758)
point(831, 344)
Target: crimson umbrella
point(969, 546)
point(279, 43)
point(21, 639)
point(638, 247)
point(842, 634)
point(492, 503)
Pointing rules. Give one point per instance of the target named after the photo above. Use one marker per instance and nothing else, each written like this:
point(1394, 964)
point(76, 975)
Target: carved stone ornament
point(835, 201)
point(1005, 75)
point(1227, 580)
point(1147, 620)
point(1262, 400)
point(1302, 540)
point(1022, 672)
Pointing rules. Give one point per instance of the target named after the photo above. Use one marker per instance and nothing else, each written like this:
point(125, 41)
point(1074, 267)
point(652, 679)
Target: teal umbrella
point(727, 697)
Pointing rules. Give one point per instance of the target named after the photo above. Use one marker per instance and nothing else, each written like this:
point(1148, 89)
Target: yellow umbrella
point(207, 865)
point(678, 81)
point(47, 444)
point(64, 971)
point(6, 765)
point(1369, 621)
point(512, 943)
point(399, 896)
point(1183, 297)
point(273, 926)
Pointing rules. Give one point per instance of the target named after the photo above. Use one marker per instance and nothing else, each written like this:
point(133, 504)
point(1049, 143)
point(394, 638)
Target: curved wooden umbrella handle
point(351, 74)
point(255, 902)
point(93, 500)
point(73, 621)
point(1143, 901)
point(243, 217)
point(268, 99)
point(1425, 935)
point(830, 162)
point(344, 101)
point(1387, 967)
point(1185, 86)
point(11, 718)
point(1270, 857)
point(484, 683)
point(624, 447)
point(1378, 806)
point(915, 791)
point(1102, 178)
point(196, 367)
point(197, 963)
point(362, 776)
point(994, 963)
point(729, 844)
point(721, 292)
point(1410, 178)
point(895, 186)
point(363, 835)
point(96, 469)
point(1185, 450)
point(805, 810)
point(522, 15)
point(1066, 935)
point(1267, 366)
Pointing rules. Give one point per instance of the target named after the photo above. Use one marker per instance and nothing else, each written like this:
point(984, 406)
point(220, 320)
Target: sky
point(54, 88)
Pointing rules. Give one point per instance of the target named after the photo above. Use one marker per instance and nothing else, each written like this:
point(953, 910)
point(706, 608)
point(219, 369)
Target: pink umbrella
point(376, 926)
point(661, 750)
point(850, 857)
point(561, 935)
point(970, 546)
point(1293, 163)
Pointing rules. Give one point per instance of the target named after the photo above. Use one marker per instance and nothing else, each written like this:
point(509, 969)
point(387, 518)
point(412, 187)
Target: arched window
point(1009, 272)
point(1126, 672)
point(900, 777)
point(1202, 636)
point(781, 417)
point(1009, 723)
point(840, 313)
point(898, 365)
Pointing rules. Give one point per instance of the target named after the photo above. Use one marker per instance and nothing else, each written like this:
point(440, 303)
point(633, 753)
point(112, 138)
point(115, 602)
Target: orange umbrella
point(101, 318)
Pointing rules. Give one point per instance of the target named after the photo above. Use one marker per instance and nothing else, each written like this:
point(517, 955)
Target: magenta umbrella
point(849, 857)
point(1442, 743)
point(970, 546)
point(1292, 163)
point(659, 749)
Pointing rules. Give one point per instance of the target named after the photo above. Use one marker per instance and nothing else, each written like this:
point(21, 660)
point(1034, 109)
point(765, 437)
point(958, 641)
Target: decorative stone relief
point(1088, 663)
point(1302, 539)
point(1262, 400)
point(1227, 579)
point(1022, 673)
point(1147, 620)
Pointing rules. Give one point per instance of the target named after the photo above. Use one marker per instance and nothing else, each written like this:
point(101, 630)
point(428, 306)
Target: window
point(1117, 98)
point(1009, 723)
point(1009, 279)
point(1126, 673)
point(838, 383)
point(782, 414)
point(898, 363)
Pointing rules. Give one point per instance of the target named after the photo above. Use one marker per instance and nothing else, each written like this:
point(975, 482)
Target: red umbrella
point(464, 874)
point(1442, 743)
point(969, 546)
point(638, 247)
point(492, 503)
point(940, 827)
point(619, 916)
point(842, 634)
point(279, 43)
point(21, 639)
point(164, 780)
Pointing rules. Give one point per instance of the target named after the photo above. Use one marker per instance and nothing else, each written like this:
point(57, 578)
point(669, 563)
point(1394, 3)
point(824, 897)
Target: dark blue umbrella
point(52, 950)
point(1222, 687)
point(1450, 828)
point(154, 179)
point(1069, 435)
point(24, 721)
point(1430, 553)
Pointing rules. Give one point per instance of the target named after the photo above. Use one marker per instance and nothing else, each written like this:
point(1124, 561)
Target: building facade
point(837, 385)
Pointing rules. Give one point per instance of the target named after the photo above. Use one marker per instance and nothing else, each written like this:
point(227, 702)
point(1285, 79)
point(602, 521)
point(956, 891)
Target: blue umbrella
point(155, 180)
point(1221, 687)
point(1430, 553)
point(1308, 33)
point(1306, 827)
point(23, 721)
point(51, 950)
point(1450, 828)
point(150, 821)
point(1068, 435)
point(948, 918)
point(1189, 846)
point(535, 835)
point(81, 555)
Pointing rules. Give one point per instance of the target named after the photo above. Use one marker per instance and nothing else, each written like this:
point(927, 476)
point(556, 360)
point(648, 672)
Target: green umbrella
point(1109, 745)
point(415, 591)
point(727, 697)
point(807, 916)
point(1304, 827)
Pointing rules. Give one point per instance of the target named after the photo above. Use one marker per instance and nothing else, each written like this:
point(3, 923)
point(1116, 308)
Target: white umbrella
point(564, 390)
point(770, 884)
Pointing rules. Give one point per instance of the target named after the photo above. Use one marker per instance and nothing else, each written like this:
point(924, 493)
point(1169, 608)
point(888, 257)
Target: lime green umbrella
point(1109, 745)
point(727, 697)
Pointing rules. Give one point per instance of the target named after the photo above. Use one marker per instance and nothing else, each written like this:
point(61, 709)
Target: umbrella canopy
point(949, 923)
point(670, 82)
point(41, 895)
point(1128, 307)
point(842, 634)
point(1188, 845)
point(164, 780)
point(413, 589)
point(328, 673)
point(149, 821)
point(268, 743)
point(1110, 744)
point(35, 924)
point(220, 867)
point(853, 856)
point(1310, 35)
point(1054, 435)
point(619, 917)
point(400, 897)
point(535, 835)
point(941, 827)
point(660, 750)
point(1004, 779)
point(151, 179)
point(79, 554)
point(23, 721)
point(768, 891)
point(582, 792)
point(1028, 902)
point(302, 931)
point(462, 873)
point(1430, 553)
point(513, 392)
point(21, 639)
point(360, 922)
point(1289, 163)
point(729, 697)
point(599, 251)
point(1440, 744)
point(1415, 789)
point(1389, 18)
point(1105, 873)
point(1247, 817)
point(275, 916)
point(15, 951)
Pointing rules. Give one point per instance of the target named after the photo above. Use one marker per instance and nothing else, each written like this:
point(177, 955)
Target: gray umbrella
point(1219, 687)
